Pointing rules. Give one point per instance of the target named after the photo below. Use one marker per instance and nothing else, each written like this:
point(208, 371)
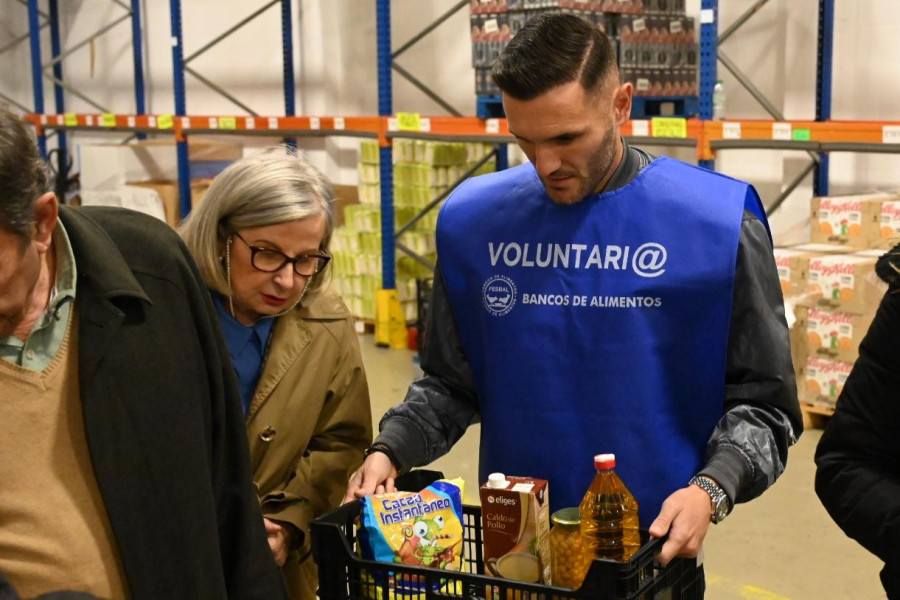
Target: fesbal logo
point(499, 295)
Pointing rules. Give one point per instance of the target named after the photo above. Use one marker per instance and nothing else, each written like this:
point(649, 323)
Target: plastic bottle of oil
point(609, 514)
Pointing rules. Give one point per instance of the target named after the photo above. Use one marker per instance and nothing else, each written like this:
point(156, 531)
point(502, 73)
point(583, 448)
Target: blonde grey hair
point(272, 187)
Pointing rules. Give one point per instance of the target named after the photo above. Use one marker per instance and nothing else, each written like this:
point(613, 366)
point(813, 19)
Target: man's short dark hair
point(23, 175)
point(551, 50)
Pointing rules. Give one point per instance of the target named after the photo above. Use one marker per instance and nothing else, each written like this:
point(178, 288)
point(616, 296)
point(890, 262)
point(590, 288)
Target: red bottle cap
point(605, 461)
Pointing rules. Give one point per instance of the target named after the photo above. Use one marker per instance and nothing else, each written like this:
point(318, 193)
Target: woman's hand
point(281, 536)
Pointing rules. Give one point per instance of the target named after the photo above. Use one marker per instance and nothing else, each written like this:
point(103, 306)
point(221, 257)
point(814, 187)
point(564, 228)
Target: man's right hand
point(375, 476)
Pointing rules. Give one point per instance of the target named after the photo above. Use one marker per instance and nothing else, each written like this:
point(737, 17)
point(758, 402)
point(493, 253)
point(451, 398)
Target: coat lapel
point(290, 337)
point(103, 277)
point(99, 321)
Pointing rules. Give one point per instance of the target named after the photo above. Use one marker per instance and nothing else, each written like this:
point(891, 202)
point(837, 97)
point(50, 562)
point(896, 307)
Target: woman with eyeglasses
point(260, 238)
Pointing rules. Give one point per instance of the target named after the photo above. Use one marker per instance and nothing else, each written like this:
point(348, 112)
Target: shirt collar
point(236, 333)
point(63, 287)
point(66, 273)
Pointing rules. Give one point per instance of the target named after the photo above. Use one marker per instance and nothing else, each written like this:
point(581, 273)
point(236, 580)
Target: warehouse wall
point(336, 72)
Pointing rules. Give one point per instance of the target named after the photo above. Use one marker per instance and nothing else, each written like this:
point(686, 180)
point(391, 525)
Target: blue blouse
point(247, 347)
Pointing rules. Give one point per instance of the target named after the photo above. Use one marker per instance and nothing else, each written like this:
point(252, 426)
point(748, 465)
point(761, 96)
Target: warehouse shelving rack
point(819, 136)
point(39, 69)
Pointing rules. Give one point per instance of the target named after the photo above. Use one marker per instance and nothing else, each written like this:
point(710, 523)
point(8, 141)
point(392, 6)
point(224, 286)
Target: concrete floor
point(781, 546)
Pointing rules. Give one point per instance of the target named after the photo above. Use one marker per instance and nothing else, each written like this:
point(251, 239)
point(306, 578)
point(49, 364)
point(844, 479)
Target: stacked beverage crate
point(655, 41)
point(423, 171)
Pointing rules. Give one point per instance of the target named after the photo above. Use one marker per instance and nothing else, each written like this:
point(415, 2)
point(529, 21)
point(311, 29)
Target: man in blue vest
point(600, 300)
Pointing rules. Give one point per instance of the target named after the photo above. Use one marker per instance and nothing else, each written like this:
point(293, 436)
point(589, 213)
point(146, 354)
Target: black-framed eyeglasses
point(271, 261)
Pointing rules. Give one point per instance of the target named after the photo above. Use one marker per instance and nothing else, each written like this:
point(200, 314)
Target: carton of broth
point(515, 527)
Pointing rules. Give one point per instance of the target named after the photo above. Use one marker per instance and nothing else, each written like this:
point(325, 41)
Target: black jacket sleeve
point(442, 404)
point(858, 457)
point(748, 449)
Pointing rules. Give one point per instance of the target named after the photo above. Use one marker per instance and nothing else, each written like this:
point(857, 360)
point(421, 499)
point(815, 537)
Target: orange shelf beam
point(851, 132)
point(703, 132)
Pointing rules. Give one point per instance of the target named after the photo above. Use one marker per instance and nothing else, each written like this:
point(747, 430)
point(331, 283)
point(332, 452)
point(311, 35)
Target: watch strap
point(384, 449)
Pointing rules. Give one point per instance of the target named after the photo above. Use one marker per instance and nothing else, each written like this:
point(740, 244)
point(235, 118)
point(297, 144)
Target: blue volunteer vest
point(596, 327)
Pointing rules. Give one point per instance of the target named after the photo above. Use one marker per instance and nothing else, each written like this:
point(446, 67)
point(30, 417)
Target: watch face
point(721, 510)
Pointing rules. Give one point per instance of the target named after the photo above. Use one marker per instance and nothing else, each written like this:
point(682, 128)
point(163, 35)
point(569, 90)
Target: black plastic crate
point(343, 575)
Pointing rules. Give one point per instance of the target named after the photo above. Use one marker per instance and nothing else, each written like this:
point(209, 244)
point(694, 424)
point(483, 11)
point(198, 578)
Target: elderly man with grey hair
point(123, 456)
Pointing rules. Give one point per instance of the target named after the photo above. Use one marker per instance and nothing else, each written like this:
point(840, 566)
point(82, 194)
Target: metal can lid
point(566, 516)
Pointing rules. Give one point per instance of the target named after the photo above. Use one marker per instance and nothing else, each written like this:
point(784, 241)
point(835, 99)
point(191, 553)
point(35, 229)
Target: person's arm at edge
point(857, 476)
point(342, 433)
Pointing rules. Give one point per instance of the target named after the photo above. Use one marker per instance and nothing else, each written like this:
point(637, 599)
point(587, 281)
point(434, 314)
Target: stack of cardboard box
point(143, 176)
point(654, 40)
point(831, 288)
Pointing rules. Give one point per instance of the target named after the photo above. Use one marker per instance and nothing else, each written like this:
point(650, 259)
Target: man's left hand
point(685, 516)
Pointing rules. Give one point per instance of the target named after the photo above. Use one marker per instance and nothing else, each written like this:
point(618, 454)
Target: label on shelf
point(151, 122)
point(492, 126)
point(731, 131)
point(669, 127)
point(781, 131)
point(89, 120)
point(339, 123)
point(409, 121)
point(70, 119)
point(165, 122)
point(185, 122)
point(890, 134)
point(315, 123)
point(393, 124)
point(801, 135)
point(43, 119)
point(707, 16)
point(425, 124)
point(273, 122)
point(640, 128)
point(213, 123)
point(131, 121)
point(227, 123)
point(249, 123)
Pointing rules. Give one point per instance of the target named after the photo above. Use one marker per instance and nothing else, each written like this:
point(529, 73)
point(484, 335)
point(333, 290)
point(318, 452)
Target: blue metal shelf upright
point(39, 69)
point(386, 167)
point(824, 56)
point(711, 54)
point(386, 62)
point(180, 66)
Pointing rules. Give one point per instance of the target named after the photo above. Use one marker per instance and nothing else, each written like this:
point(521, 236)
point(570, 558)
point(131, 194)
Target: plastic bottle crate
point(343, 575)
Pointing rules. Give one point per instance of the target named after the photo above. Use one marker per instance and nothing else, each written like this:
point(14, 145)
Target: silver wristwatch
point(721, 506)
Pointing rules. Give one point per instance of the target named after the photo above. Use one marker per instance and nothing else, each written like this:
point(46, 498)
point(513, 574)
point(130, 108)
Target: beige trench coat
point(309, 423)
